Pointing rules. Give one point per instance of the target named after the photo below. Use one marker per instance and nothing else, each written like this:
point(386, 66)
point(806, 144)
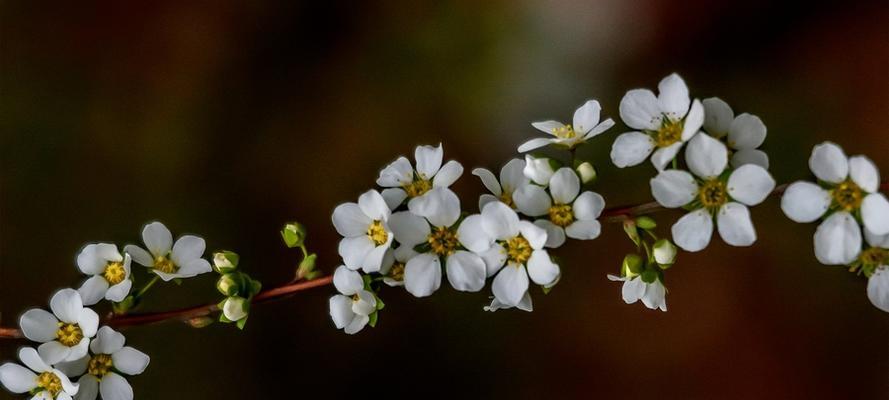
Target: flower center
point(506, 198)
point(713, 194)
point(848, 196)
point(164, 264)
point(377, 233)
point(670, 132)
point(69, 334)
point(114, 273)
point(874, 256)
point(50, 382)
point(561, 215)
point(518, 250)
point(417, 187)
point(443, 241)
point(99, 365)
point(564, 132)
point(397, 272)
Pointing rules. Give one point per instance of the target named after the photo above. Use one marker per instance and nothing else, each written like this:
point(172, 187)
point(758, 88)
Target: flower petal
point(549, 127)
point(139, 255)
point(588, 206)
point(472, 235)
point(341, 310)
point(532, 200)
point(838, 239)
point(586, 117)
point(374, 206)
point(74, 368)
point(747, 132)
point(366, 303)
point(674, 188)
point(486, 198)
point(39, 325)
point(348, 219)
point(538, 170)
point(499, 221)
point(693, 121)
point(555, 235)
point(535, 235)
point(54, 352)
point(734, 225)
point(66, 305)
point(512, 175)
point(564, 185)
point(665, 155)
point(633, 290)
point(534, 144)
point(875, 213)
point(511, 284)
point(16, 378)
point(194, 268)
point(706, 156)
point(358, 323)
point(541, 269)
point(718, 117)
point(374, 259)
point(805, 201)
point(422, 275)
point(346, 281)
point(631, 148)
point(750, 184)
point(119, 292)
point(655, 296)
point(750, 156)
point(875, 240)
point(864, 173)
point(598, 129)
point(878, 288)
point(89, 322)
point(187, 249)
point(448, 174)
point(692, 232)
point(829, 163)
point(31, 359)
point(87, 388)
point(115, 387)
point(673, 97)
point(398, 173)
point(489, 180)
point(584, 229)
point(393, 197)
point(130, 361)
point(440, 206)
point(428, 160)
point(354, 250)
point(107, 341)
point(466, 271)
point(409, 229)
point(89, 262)
point(639, 109)
point(157, 238)
point(494, 259)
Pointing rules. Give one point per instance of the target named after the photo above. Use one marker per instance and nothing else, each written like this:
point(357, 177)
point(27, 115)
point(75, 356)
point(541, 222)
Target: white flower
point(664, 122)
point(653, 295)
point(525, 304)
point(235, 308)
point(586, 126)
point(102, 370)
point(431, 222)
point(878, 288)
point(394, 263)
point(538, 170)
point(567, 213)
point(852, 184)
point(501, 238)
point(876, 259)
point(744, 133)
point(365, 230)
point(110, 273)
point(66, 332)
point(167, 260)
point(403, 181)
point(512, 178)
point(712, 195)
point(40, 379)
point(350, 310)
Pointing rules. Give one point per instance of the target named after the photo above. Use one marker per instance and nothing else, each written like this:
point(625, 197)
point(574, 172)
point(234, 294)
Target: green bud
point(649, 275)
point(306, 266)
point(235, 308)
point(632, 265)
point(229, 284)
point(646, 223)
point(225, 261)
point(632, 231)
point(587, 173)
point(665, 253)
point(294, 234)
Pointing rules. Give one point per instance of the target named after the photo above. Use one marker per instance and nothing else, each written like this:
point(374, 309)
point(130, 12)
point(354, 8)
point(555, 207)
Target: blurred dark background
point(228, 119)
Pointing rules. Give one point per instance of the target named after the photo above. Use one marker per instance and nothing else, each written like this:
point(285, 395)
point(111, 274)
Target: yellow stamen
point(670, 132)
point(848, 196)
point(377, 233)
point(50, 382)
point(874, 256)
point(397, 271)
point(164, 264)
point(506, 198)
point(713, 194)
point(69, 334)
point(417, 187)
point(114, 273)
point(564, 132)
point(99, 365)
point(561, 215)
point(443, 241)
point(518, 250)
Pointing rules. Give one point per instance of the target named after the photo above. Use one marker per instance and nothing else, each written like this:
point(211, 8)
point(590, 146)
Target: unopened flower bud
point(646, 222)
point(632, 265)
point(587, 173)
point(294, 234)
point(664, 253)
point(306, 266)
point(632, 231)
point(225, 261)
point(229, 284)
point(538, 170)
point(235, 308)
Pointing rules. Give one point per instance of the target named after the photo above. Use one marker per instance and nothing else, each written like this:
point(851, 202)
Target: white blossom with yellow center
point(365, 230)
point(66, 332)
point(39, 379)
point(585, 126)
point(110, 273)
point(403, 181)
point(350, 310)
point(710, 195)
point(743, 133)
point(103, 371)
point(850, 188)
point(653, 295)
point(166, 259)
point(430, 224)
point(512, 178)
point(664, 122)
point(564, 212)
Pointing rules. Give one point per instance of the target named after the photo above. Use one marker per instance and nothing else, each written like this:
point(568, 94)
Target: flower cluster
point(71, 342)
point(847, 200)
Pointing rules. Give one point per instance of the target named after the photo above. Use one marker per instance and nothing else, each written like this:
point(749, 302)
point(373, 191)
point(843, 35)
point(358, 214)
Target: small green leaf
point(373, 319)
point(241, 322)
point(380, 303)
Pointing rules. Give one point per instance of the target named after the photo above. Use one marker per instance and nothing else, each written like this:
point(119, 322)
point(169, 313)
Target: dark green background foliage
point(227, 120)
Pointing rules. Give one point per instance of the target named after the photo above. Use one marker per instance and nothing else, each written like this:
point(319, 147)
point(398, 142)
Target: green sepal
point(649, 275)
point(293, 234)
point(546, 289)
point(241, 322)
point(646, 222)
point(380, 303)
point(373, 319)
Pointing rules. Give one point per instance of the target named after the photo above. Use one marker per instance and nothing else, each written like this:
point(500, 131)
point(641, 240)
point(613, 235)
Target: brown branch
point(614, 215)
